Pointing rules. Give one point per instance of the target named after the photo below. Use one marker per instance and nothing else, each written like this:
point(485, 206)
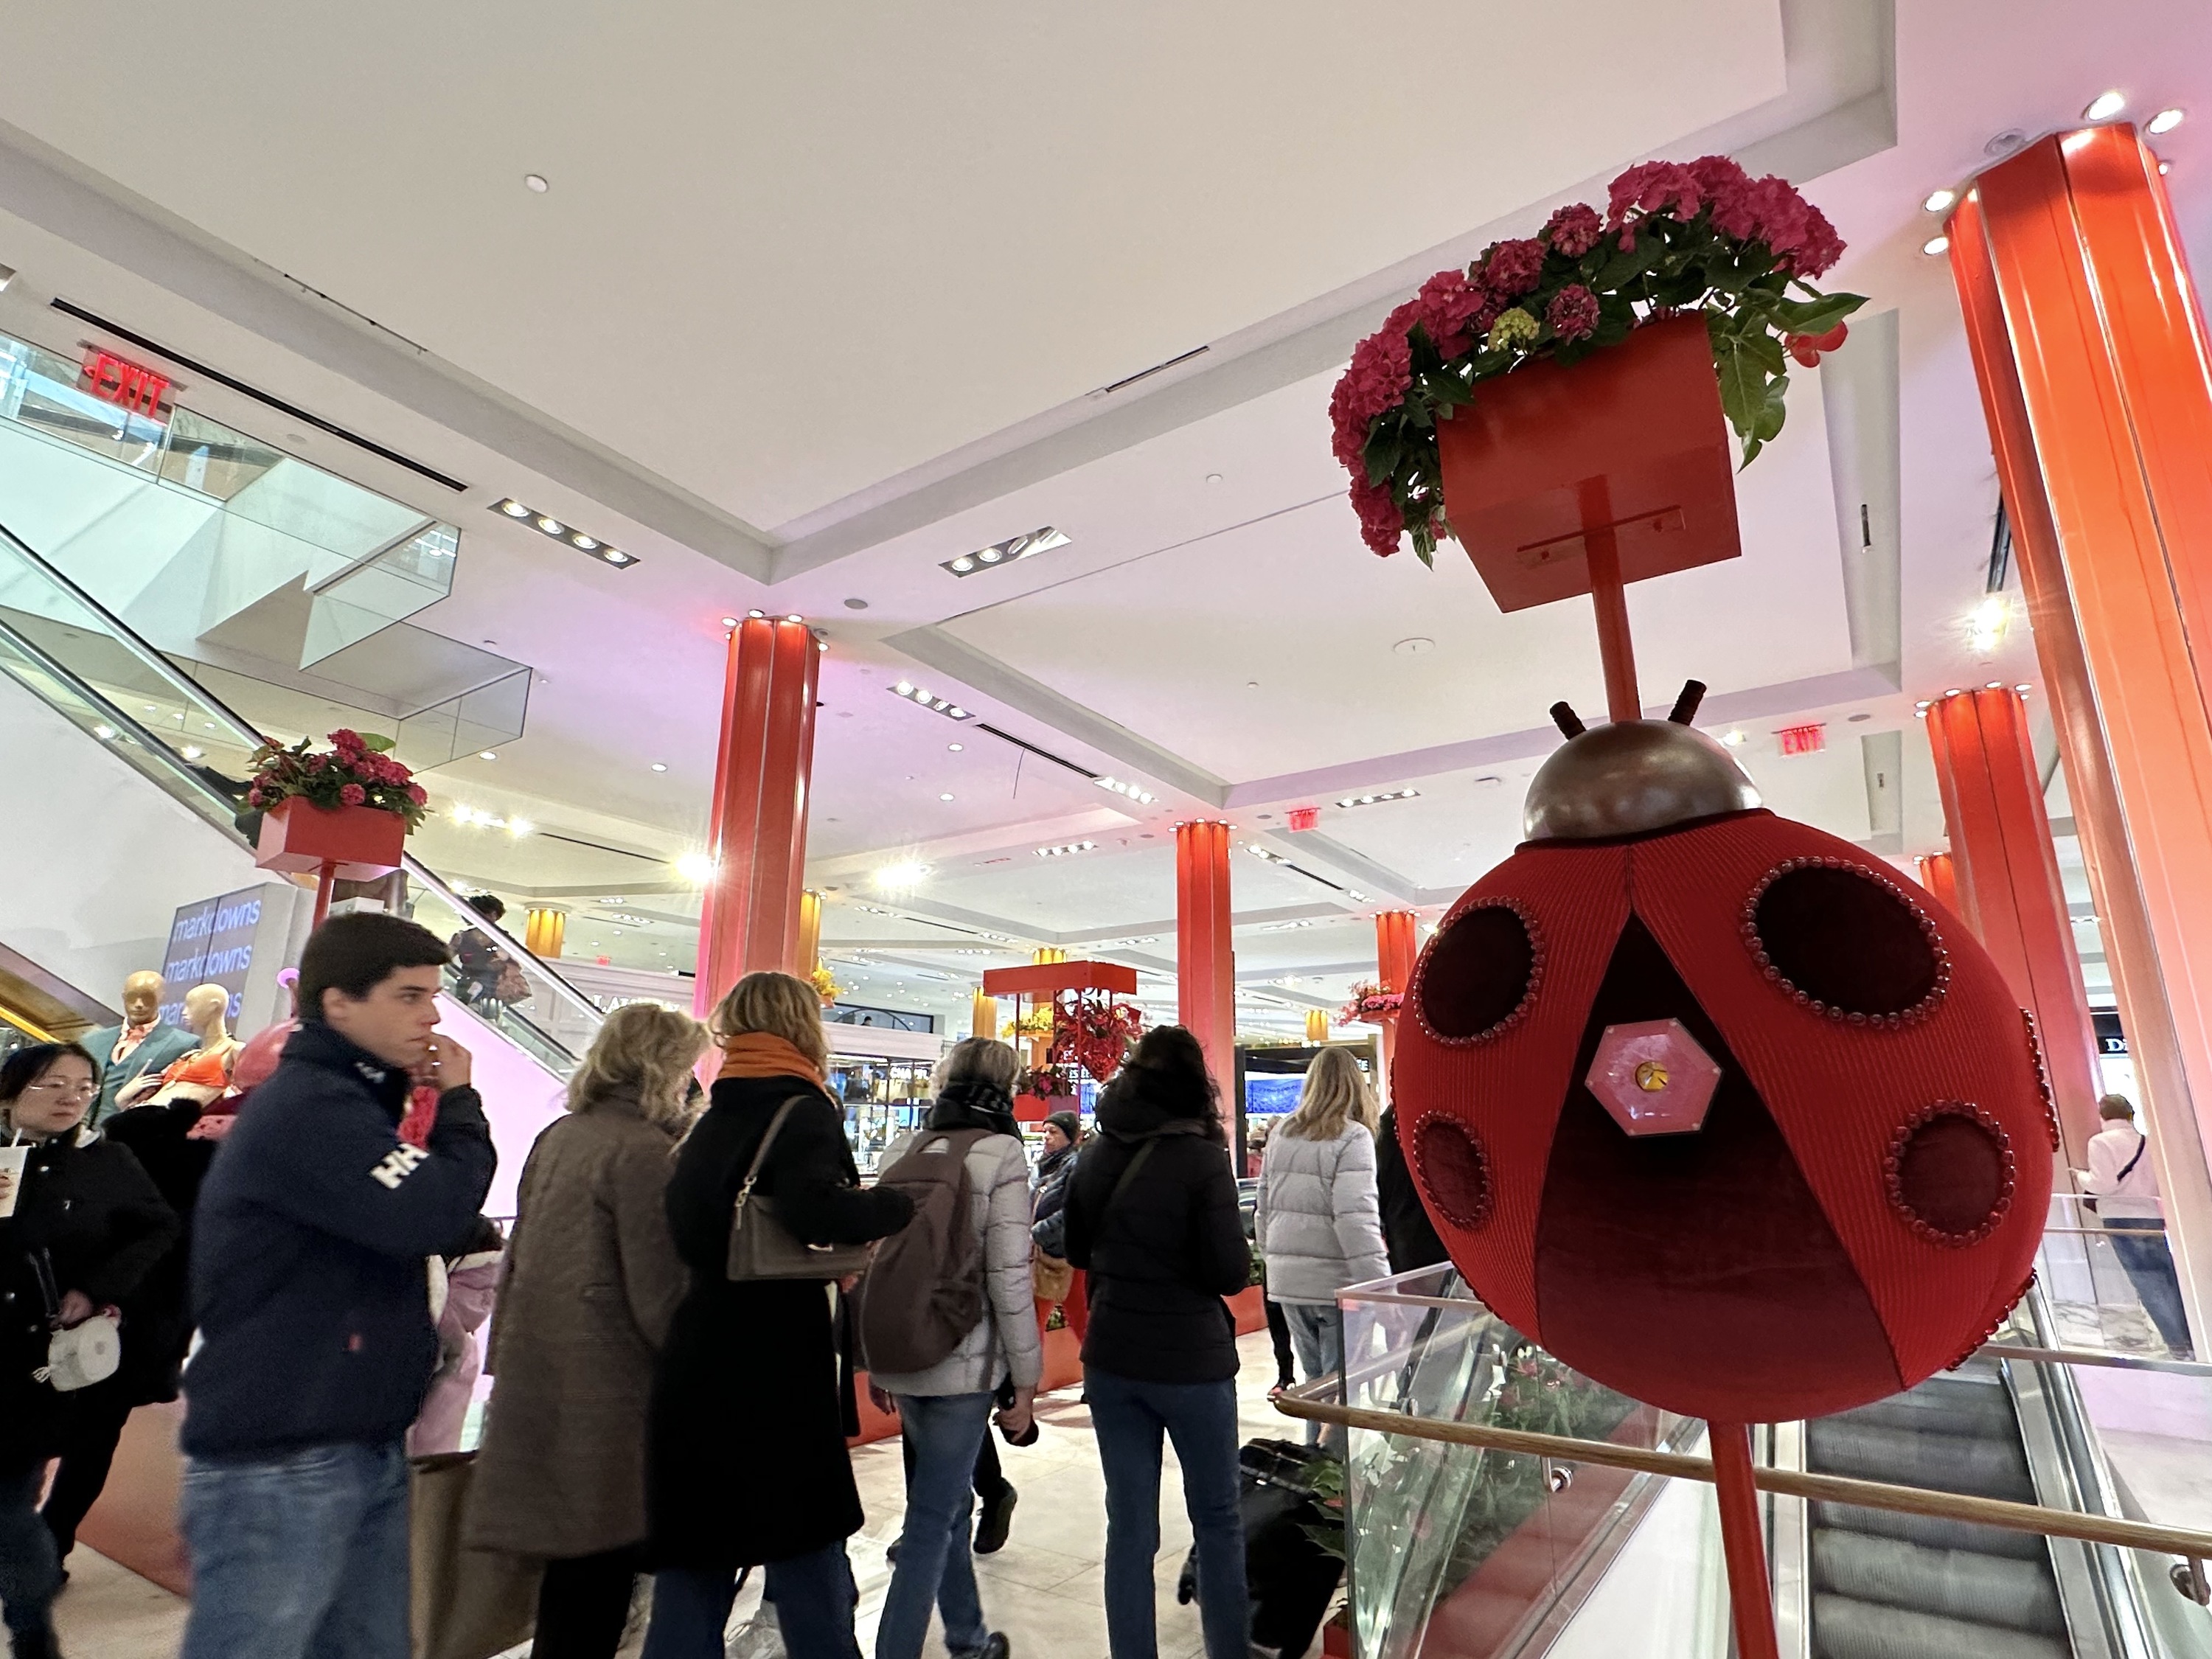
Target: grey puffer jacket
point(1005, 1342)
point(1319, 1223)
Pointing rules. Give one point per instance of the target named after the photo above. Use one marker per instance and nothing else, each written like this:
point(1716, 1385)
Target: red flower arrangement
point(354, 771)
point(1093, 1034)
point(1706, 237)
point(1370, 1004)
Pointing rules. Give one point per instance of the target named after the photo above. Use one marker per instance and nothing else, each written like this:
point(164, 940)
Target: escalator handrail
point(244, 730)
point(1790, 1483)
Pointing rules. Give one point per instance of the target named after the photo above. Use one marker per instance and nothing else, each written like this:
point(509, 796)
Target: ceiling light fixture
point(1732, 736)
point(535, 183)
point(660, 766)
point(193, 753)
point(956, 747)
point(520, 826)
point(1940, 201)
point(1936, 245)
point(1144, 797)
point(697, 868)
point(566, 535)
point(486, 754)
point(945, 797)
point(2164, 122)
point(2104, 105)
point(1373, 800)
point(1063, 852)
point(929, 699)
point(1011, 550)
point(729, 622)
point(1985, 626)
point(894, 877)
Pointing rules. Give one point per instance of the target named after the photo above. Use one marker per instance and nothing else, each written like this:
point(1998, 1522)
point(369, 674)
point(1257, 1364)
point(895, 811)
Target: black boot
point(997, 1520)
point(35, 1645)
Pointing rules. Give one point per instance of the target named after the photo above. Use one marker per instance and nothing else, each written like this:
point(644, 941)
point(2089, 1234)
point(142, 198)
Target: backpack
point(924, 1292)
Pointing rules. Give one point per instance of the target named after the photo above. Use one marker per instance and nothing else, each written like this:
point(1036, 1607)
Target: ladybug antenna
point(1567, 720)
point(1686, 706)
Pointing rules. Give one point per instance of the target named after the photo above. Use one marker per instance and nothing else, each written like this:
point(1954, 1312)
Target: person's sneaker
point(996, 1646)
point(42, 1645)
point(996, 1520)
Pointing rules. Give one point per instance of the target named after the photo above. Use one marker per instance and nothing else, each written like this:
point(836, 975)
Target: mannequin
point(140, 1045)
point(204, 1074)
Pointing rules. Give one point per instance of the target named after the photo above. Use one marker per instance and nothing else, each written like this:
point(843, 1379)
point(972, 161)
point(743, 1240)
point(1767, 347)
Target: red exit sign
point(126, 385)
point(1803, 740)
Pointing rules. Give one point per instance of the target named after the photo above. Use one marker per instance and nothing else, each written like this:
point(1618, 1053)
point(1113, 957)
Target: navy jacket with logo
point(308, 1282)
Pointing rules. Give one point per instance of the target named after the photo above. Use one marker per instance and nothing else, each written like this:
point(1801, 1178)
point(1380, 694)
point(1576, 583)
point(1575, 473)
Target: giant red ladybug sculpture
point(1715, 1106)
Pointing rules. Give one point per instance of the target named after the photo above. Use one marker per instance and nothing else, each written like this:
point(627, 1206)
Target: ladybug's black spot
point(1951, 1173)
point(1476, 973)
point(1453, 1170)
point(1846, 941)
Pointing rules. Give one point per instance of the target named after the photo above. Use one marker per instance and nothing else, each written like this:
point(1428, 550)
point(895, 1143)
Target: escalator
point(1891, 1586)
point(164, 791)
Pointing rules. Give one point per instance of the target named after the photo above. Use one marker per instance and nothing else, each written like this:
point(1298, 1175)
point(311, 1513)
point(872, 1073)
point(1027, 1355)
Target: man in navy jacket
point(309, 1288)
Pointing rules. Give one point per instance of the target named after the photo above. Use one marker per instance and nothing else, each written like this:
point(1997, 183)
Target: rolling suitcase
point(1290, 1578)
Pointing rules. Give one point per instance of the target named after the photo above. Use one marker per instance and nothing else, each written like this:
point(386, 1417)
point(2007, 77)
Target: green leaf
point(1624, 268)
point(376, 743)
point(1816, 316)
point(1742, 383)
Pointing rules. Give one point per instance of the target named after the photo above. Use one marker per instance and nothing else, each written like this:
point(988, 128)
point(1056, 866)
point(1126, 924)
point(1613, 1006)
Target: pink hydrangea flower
point(1573, 230)
point(1654, 187)
point(1381, 524)
point(418, 794)
point(1573, 313)
point(1727, 190)
point(1445, 308)
point(353, 794)
point(1822, 248)
point(1374, 383)
point(253, 798)
point(1513, 268)
point(1780, 217)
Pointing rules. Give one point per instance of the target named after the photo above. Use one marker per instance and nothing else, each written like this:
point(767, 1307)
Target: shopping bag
point(468, 1604)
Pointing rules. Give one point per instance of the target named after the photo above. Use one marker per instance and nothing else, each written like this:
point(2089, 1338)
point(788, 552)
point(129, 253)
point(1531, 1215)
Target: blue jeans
point(299, 1556)
point(1129, 1417)
point(2149, 1267)
point(814, 1598)
point(1318, 1333)
point(30, 1571)
point(945, 1432)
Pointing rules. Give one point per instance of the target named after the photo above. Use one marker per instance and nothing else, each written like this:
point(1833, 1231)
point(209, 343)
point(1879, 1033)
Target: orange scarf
point(759, 1054)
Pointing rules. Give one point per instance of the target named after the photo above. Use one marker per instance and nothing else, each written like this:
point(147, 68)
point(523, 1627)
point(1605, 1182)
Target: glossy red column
point(1396, 945)
point(1205, 964)
point(2006, 871)
point(751, 917)
point(1940, 876)
point(2090, 349)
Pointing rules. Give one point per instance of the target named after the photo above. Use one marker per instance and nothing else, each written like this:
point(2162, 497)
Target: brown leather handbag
point(762, 1247)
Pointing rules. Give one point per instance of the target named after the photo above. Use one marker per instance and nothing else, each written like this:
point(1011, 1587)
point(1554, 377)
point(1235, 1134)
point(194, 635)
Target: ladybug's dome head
point(1632, 777)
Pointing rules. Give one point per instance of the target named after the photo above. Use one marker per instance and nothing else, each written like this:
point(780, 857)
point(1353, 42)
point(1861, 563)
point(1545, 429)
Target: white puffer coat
point(1005, 1342)
point(1319, 1223)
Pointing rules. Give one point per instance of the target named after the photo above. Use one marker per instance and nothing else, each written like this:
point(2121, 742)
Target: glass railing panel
point(377, 592)
point(2110, 1279)
point(43, 393)
point(475, 721)
point(209, 459)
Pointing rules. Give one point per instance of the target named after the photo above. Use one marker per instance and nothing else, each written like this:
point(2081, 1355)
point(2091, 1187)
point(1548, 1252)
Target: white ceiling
point(793, 266)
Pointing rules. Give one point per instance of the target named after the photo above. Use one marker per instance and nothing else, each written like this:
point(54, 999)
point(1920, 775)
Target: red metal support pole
point(325, 879)
point(1623, 701)
point(1939, 874)
point(2007, 869)
point(1396, 948)
point(1205, 963)
point(1743, 1542)
point(749, 917)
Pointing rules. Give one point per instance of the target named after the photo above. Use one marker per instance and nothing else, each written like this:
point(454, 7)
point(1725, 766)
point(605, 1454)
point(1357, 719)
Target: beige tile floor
point(1044, 1589)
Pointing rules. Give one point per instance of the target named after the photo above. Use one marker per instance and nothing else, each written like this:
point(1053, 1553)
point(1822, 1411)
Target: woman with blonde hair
point(746, 1463)
point(589, 1285)
point(1319, 1222)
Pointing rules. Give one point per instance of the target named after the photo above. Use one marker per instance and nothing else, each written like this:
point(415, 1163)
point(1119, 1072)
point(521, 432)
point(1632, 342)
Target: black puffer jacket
point(1055, 1174)
point(1407, 1232)
point(159, 1313)
point(1162, 1255)
point(88, 1209)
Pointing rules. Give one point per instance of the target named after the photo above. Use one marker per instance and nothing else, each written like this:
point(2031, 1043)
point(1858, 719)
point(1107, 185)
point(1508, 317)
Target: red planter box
point(298, 837)
point(1631, 438)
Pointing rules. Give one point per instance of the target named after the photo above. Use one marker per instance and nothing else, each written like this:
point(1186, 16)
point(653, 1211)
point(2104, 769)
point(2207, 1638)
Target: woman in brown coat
point(593, 1279)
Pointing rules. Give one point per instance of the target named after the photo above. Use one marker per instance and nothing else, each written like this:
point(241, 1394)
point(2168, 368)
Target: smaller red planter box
point(298, 838)
point(1631, 438)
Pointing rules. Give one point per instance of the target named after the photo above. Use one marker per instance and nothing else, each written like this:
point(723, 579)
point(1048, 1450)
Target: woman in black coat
point(87, 1226)
point(1152, 1218)
point(746, 1462)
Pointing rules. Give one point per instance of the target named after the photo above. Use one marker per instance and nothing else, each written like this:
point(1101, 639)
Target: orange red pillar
point(751, 913)
point(2090, 347)
point(1205, 963)
point(2006, 875)
point(1396, 945)
point(1940, 876)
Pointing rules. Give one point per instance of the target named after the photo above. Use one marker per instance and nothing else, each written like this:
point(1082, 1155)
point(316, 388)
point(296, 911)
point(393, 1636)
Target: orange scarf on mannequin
point(760, 1054)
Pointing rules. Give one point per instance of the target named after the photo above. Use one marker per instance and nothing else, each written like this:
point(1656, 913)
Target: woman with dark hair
point(478, 961)
point(1152, 1218)
point(82, 1223)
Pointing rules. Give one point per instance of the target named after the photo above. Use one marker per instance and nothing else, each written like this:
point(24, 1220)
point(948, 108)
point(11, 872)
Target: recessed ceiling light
point(613, 557)
point(486, 754)
point(963, 565)
point(551, 527)
point(945, 797)
point(514, 509)
point(1940, 201)
point(2164, 121)
point(900, 875)
point(695, 868)
point(1042, 539)
point(565, 534)
point(1936, 245)
point(1732, 736)
point(193, 753)
point(660, 766)
point(2104, 105)
point(729, 622)
point(1213, 478)
point(535, 183)
point(956, 747)
point(584, 542)
point(944, 705)
point(1370, 801)
point(1122, 788)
